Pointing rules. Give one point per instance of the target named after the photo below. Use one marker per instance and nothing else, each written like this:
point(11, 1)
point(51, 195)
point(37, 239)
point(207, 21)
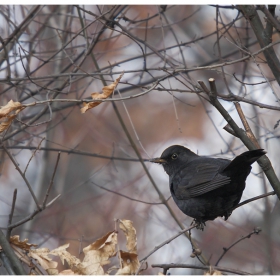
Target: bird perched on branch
point(205, 188)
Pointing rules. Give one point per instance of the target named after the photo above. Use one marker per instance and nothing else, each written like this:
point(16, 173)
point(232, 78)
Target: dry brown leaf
point(130, 263)
point(64, 255)
point(41, 256)
point(5, 124)
point(130, 233)
point(98, 253)
point(106, 92)
point(88, 106)
point(8, 113)
point(21, 244)
point(9, 107)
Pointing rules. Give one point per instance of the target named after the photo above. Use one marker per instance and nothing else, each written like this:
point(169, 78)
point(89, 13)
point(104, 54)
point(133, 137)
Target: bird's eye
point(174, 156)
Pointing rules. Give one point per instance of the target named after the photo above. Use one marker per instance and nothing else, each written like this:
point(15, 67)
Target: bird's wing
point(197, 179)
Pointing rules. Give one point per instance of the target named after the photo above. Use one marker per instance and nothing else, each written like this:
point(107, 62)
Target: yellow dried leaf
point(98, 253)
point(9, 107)
point(106, 92)
point(88, 106)
point(64, 255)
point(130, 233)
point(41, 256)
point(5, 124)
point(21, 244)
point(8, 113)
point(130, 263)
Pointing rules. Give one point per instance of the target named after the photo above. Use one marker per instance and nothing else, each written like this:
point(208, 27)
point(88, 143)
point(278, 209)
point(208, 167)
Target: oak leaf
point(64, 255)
point(41, 256)
point(130, 263)
point(21, 244)
point(98, 253)
point(129, 260)
point(130, 233)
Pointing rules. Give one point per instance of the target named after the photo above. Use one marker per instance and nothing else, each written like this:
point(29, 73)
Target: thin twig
point(167, 241)
point(130, 198)
point(254, 198)
point(255, 231)
point(211, 267)
point(73, 151)
point(23, 176)
point(11, 214)
point(32, 215)
point(51, 182)
point(248, 130)
point(33, 154)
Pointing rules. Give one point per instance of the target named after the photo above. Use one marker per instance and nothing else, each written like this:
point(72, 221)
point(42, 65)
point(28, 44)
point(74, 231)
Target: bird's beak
point(158, 160)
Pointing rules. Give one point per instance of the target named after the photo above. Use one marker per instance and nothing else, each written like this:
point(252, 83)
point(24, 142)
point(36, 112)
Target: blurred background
point(67, 53)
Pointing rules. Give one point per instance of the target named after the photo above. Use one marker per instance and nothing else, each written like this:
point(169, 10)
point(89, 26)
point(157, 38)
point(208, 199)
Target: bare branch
point(38, 147)
point(11, 214)
point(51, 182)
point(13, 260)
point(264, 161)
point(255, 231)
point(211, 267)
point(23, 177)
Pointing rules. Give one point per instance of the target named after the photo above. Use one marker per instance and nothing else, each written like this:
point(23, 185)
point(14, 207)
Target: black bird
point(205, 188)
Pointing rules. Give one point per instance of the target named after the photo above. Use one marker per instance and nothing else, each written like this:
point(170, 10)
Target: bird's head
point(173, 158)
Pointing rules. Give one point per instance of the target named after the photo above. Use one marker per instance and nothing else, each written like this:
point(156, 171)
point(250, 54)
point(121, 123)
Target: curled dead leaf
point(64, 255)
point(41, 256)
point(98, 253)
point(9, 107)
point(130, 263)
point(8, 113)
point(130, 233)
point(106, 92)
point(21, 244)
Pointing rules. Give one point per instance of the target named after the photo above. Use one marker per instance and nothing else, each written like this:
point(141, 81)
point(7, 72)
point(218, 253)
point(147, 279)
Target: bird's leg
point(198, 224)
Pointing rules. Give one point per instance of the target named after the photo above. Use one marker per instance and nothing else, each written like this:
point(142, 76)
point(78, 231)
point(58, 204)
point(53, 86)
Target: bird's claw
point(198, 224)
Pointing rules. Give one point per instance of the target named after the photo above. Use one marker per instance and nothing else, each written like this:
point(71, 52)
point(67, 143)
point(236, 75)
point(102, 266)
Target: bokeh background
point(69, 52)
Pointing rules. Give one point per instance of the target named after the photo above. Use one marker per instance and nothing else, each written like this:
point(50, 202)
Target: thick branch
point(250, 13)
point(9, 253)
point(264, 162)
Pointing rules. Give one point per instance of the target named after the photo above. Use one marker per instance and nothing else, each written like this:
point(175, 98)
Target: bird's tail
point(245, 159)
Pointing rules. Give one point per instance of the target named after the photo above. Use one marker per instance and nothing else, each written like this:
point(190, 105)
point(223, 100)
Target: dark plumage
point(205, 188)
